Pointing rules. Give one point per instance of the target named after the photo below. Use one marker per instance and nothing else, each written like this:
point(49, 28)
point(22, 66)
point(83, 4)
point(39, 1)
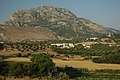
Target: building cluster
point(64, 45)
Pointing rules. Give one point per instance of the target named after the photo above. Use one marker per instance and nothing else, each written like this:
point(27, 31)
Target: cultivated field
point(76, 64)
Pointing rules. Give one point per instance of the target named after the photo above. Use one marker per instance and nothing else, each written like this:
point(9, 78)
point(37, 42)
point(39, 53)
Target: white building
point(64, 45)
point(93, 38)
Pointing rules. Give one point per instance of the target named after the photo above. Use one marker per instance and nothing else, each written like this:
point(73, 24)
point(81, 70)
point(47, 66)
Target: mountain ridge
point(60, 21)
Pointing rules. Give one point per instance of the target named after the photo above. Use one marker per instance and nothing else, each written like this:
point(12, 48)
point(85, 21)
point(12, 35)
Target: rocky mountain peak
point(21, 17)
point(60, 21)
point(55, 11)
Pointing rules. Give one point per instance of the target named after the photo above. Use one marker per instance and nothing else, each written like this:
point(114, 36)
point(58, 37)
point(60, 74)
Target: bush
point(62, 76)
point(70, 71)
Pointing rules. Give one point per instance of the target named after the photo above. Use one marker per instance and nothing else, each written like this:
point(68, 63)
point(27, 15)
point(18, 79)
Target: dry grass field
point(85, 64)
point(18, 59)
point(9, 52)
point(76, 64)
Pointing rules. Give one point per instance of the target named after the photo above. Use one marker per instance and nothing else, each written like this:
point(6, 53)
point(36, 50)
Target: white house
point(93, 38)
point(64, 45)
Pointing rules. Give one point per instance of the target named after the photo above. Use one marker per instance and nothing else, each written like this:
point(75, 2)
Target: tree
point(44, 64)
point(1, 46)
point(35, 47)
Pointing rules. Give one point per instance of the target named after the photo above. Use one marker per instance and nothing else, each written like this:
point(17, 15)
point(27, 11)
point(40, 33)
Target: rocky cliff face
point(60, 21)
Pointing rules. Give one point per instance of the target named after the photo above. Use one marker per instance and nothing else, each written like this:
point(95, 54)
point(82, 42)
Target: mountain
point(60, 22)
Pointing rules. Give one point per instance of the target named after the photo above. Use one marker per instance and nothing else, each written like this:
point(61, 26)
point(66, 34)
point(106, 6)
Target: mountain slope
point(93, 26)
point(18, 33)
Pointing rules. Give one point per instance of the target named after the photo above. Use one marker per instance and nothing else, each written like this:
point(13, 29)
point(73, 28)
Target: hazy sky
point(104, 12)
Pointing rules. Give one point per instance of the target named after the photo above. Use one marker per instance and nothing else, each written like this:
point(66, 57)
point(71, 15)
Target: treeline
point(108, 71)
point(110, 58)
point(26, 45)
point(41, 65)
